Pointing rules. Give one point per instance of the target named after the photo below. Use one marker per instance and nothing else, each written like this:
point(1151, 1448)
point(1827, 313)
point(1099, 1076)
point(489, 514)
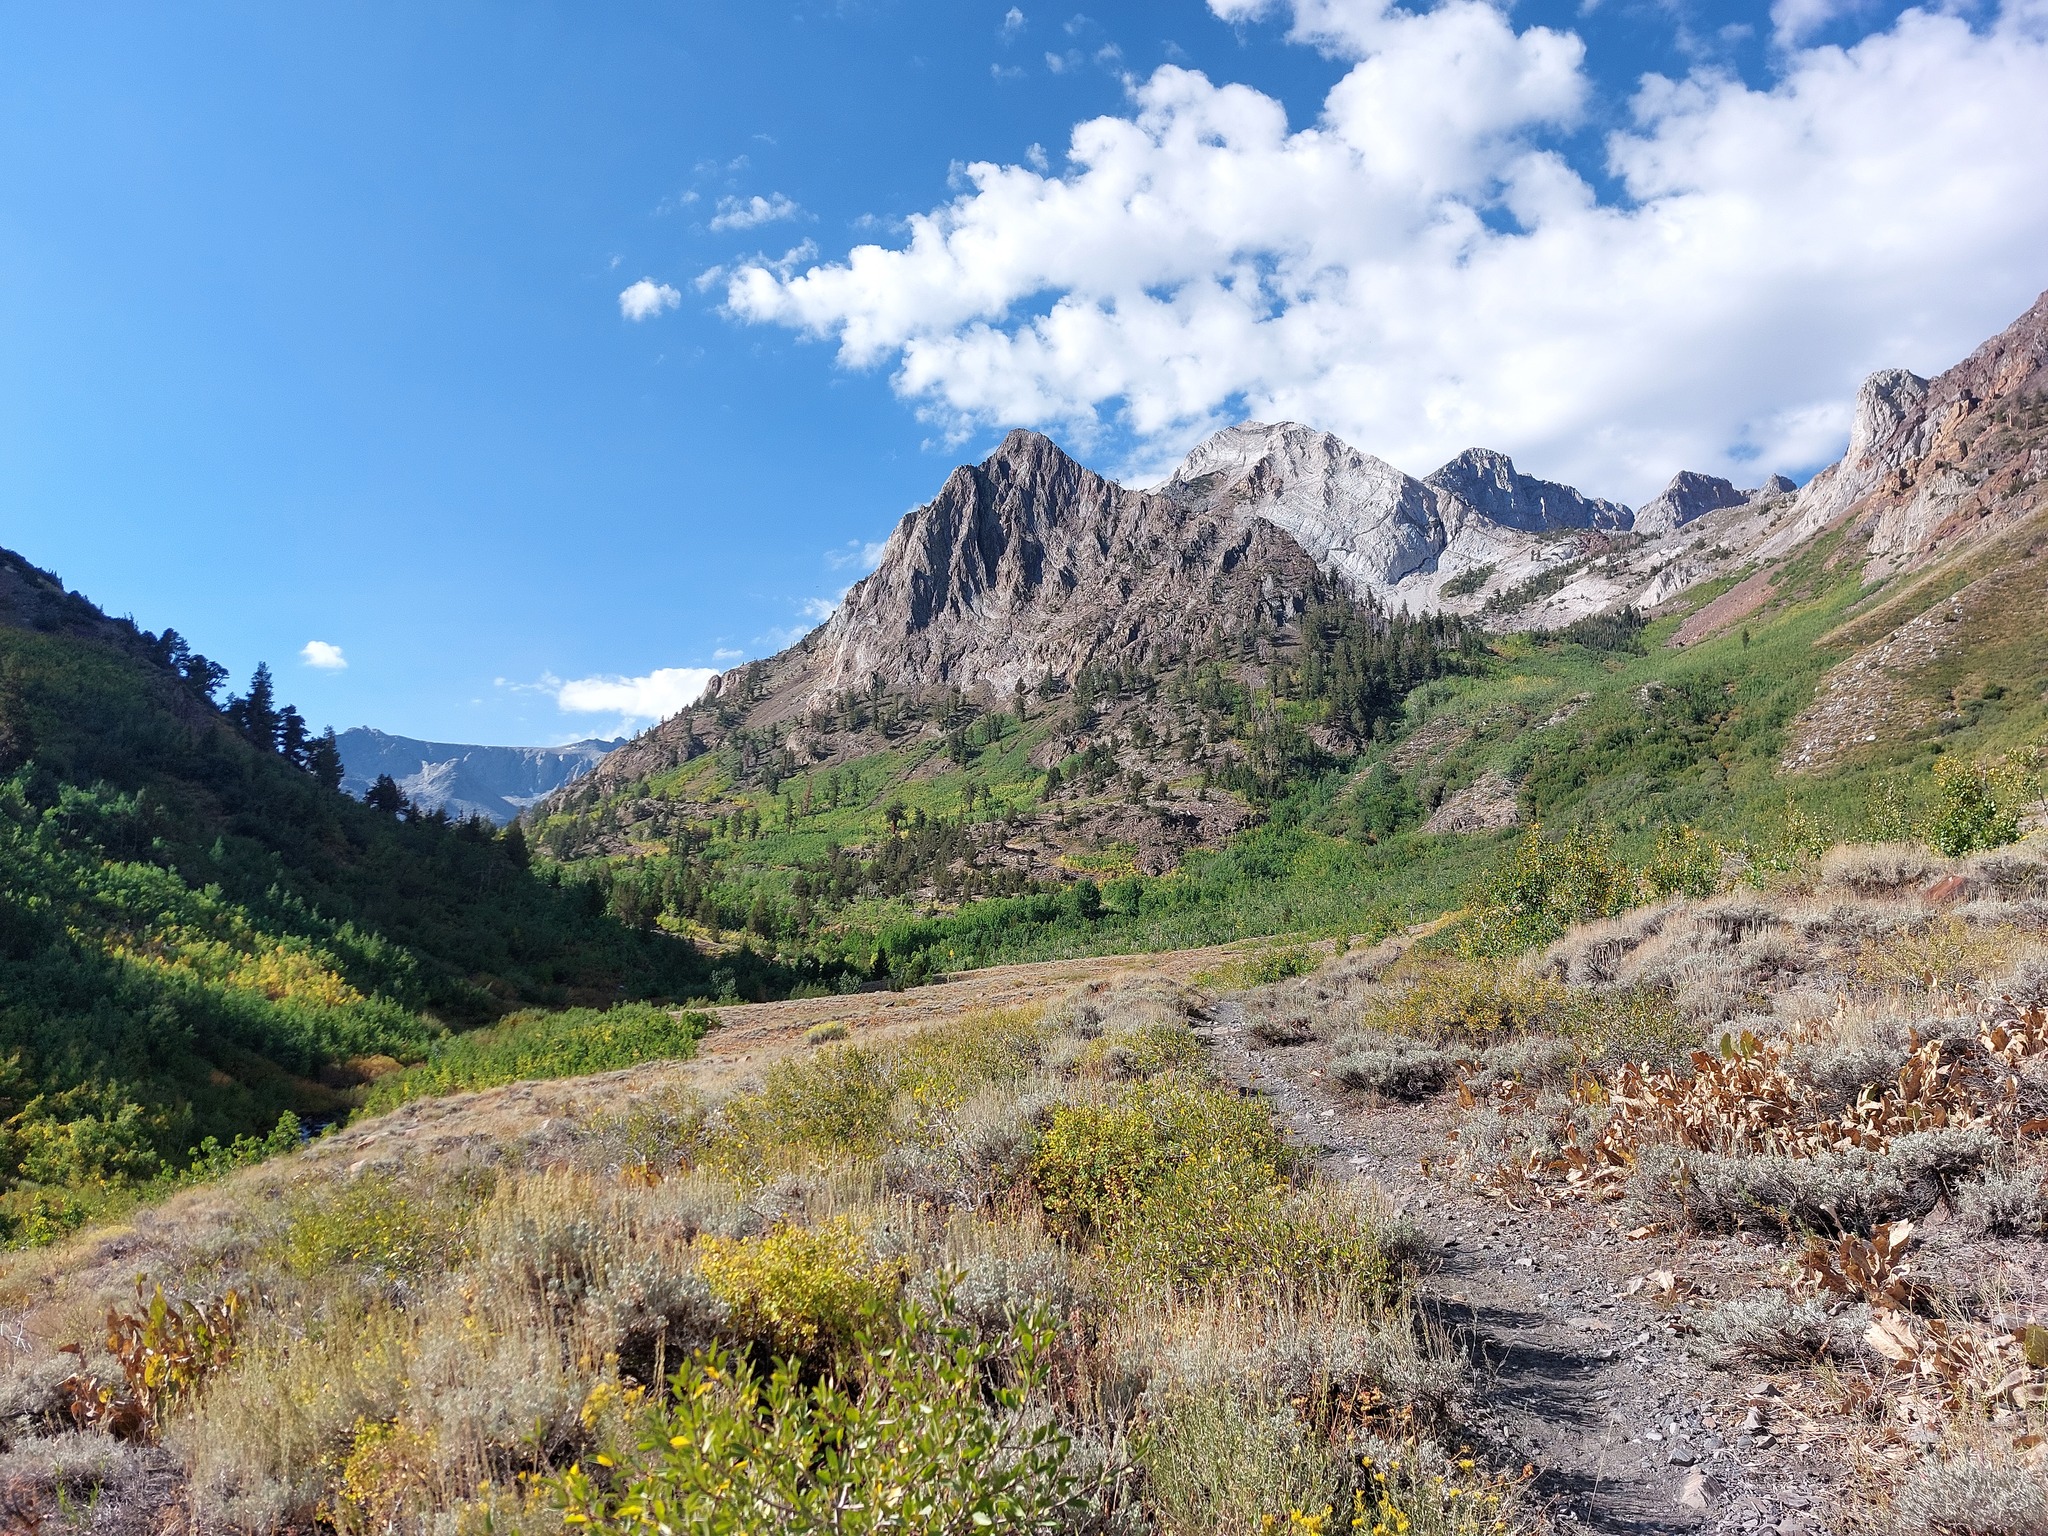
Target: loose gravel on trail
point(1627, 1432)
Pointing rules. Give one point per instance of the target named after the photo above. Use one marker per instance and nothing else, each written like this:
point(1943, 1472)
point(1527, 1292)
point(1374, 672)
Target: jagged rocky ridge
point(1029, 565)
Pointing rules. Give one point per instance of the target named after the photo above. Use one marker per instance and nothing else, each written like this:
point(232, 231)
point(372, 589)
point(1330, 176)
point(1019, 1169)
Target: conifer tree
point(323, 759)
point(255, 712)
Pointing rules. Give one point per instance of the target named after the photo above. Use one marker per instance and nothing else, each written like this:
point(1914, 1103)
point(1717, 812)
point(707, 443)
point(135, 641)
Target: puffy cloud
point(1420, 270)
point(323, 655)
point(753, 212)
point(1013, 23)
point(647, 298)
point(656, 696)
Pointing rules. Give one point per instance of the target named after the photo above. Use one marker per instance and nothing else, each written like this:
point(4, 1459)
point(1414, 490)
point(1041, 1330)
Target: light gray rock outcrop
point(1490, 485)
point(1690, 495)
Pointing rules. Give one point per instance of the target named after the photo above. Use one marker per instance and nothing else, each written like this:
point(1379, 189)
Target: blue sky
point(311, 320)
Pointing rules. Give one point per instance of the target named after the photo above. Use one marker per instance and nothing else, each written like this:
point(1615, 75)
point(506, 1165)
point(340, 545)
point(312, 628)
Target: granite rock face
point(1028, 566)
point(1489, 484)
point(1352, 513)
point(1932, 462)
point(1690, 495)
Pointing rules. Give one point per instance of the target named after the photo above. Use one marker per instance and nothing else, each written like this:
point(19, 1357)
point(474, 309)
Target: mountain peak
point(1488, 482)
point(1690, 495)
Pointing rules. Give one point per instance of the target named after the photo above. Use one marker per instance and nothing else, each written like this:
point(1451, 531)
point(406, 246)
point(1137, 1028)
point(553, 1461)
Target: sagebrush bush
point(2013, 1205)
point(1768, 1329)
point(1398, 1069)
point(1288, 1027)
point(1848, 1190)
point(1990, 1492)
point(1875, 869)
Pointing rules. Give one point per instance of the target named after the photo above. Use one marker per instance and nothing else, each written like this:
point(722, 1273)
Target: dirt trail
point(748, 1033)
point(1627, 1432)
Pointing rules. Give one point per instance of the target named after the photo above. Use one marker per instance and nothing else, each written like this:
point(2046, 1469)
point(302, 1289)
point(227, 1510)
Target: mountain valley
point(1301, 998)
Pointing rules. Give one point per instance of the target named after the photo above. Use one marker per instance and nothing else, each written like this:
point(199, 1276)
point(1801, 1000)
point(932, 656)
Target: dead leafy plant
point(1966, 1365)
point(1873, 1270)
point(165, 1349)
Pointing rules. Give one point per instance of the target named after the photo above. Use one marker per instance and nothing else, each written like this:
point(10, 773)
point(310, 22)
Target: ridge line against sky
point(500, 379)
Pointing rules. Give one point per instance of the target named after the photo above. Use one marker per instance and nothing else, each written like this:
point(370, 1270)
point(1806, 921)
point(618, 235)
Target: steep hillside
point(496, 783)
point(197, 933)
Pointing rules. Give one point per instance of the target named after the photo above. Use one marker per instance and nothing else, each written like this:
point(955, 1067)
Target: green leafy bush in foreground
point(535, 1045)
point(931, 1433)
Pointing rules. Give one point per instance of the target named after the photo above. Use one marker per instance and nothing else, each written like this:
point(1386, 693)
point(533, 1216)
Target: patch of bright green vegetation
point(536, 1045)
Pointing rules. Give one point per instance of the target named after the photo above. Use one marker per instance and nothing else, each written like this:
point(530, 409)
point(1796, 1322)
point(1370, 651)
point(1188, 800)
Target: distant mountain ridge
point(496, 783)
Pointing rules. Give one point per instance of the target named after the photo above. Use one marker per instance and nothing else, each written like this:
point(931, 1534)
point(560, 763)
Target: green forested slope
point(198, 934)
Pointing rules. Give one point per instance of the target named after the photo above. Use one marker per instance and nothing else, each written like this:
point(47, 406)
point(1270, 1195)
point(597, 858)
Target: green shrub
point(801, 1291)
point(572, 1043)
point(1279, 964)
point(1468, 582)
point(1096, 1162)
point(1977, 805)
point(1226, 1219)
point(1627, 1024)
point(932, 1434)
point(375, 1223)
point(1685, 862)
point(837, 1103)
point(1543, 887)
point(1786, 849)
point(1467, 1000)
point(1162, 1046)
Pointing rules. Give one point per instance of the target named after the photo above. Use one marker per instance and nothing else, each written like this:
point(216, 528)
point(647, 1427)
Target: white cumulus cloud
point(661, 693)
point(753, 212)
point(647, 298)
point(1420, 269)
point(324, 655)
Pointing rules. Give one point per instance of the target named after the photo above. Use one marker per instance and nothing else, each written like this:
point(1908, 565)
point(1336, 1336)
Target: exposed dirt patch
point(1429, 741)
point(1737, 603)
